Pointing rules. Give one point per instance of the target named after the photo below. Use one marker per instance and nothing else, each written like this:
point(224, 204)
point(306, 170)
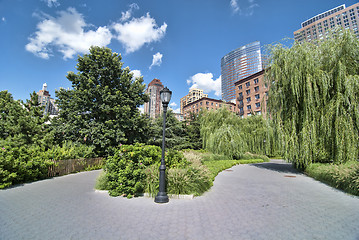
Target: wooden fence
point(63, 167)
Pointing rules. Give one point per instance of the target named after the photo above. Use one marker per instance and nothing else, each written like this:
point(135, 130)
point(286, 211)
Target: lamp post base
point(161, 198)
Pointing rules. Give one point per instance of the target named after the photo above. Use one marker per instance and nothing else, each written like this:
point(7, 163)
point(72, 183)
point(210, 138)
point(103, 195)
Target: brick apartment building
point(206, 104)
point(251, 95)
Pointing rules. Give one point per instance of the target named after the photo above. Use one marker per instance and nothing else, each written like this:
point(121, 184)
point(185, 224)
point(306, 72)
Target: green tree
point(175, 133)
point(21, 123)
point(193, 131)
point(223, 132)
point(314, 97)
point(101, 109)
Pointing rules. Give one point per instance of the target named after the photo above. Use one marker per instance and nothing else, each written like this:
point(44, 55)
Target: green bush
point(125, 169)
point(24, 164)
point(342, 176)
point(133, 169)
point(31, 162)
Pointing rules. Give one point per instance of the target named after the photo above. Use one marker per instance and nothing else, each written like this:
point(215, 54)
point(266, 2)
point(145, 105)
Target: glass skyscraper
point(238, 64)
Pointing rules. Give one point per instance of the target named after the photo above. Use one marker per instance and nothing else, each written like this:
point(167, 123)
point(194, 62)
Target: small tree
point(101, 109)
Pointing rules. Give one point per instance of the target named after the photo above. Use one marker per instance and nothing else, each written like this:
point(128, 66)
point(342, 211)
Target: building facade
point(252, 95)
point(318, 27)
point(154, 106)
point(193, 95)
point(206, 104)
point(46, 101)
point(239, 64)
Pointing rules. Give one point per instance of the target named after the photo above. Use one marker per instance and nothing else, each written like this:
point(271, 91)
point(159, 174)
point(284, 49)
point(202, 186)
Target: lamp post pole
point(162, 195)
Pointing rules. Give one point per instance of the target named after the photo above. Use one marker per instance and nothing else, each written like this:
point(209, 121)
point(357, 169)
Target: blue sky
point(179, 42)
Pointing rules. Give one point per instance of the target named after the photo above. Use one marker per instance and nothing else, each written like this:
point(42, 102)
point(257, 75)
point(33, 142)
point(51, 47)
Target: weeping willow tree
point(314, 99)
point(223, 132)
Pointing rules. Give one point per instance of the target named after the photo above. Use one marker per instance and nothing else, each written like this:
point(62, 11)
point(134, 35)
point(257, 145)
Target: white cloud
point(51, 3)
point(173, 104)
point(142, 109)
point(139, 31)
point(66, 34)
point(127, 15)
point(248, 8)
point(136, 73)
point(3, 19)
point(157, 60)
point(234, 6)
point(206, 82)
point(177, 110)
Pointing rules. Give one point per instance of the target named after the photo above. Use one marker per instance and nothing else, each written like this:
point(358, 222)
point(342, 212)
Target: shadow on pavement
point(278, 167)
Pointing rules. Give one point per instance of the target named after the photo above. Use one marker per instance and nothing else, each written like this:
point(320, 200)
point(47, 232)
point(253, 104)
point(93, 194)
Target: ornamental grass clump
point(343, 176)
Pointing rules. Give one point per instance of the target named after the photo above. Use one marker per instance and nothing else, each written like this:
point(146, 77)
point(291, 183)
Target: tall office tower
point(154, 107)
point(238, 64)
point(193, 95)
point(46, 101)
point(318, 27)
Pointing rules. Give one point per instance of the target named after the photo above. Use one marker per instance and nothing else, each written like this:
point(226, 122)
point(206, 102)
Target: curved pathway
point(258, 201)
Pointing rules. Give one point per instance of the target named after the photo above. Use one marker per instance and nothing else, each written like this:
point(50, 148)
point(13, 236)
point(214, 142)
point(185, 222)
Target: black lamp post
point(162, 195)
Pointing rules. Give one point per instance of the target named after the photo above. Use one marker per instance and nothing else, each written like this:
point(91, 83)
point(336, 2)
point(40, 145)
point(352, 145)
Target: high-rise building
point(318, 27)
point(154, 106)
point(46, 101)
point(238, 64)
point(193, 95)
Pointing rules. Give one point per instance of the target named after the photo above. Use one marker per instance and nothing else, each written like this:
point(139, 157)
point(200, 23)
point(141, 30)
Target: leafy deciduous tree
point(101, 109)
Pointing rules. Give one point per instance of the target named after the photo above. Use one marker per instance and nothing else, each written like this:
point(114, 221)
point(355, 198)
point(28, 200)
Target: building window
point(256, 81)
point(248, 99)
point(258, 105)
point(212, 104)
point(257, 96)
point(240, 87)
point(256, 89)
point(248, 84)
point(249, 107)
point(207, 103)
point(200, 103)
point(248, 91)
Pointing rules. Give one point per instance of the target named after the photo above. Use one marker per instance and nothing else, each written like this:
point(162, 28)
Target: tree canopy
point(21, 123)
point(223, 132)
point(175, 132)
point(101, 109)
point(314, 97)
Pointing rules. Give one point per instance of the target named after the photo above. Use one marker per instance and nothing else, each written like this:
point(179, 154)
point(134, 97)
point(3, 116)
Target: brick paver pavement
point(259, 201)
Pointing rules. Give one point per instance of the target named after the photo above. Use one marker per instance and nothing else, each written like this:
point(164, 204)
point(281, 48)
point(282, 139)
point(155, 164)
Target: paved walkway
point(259, 201)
